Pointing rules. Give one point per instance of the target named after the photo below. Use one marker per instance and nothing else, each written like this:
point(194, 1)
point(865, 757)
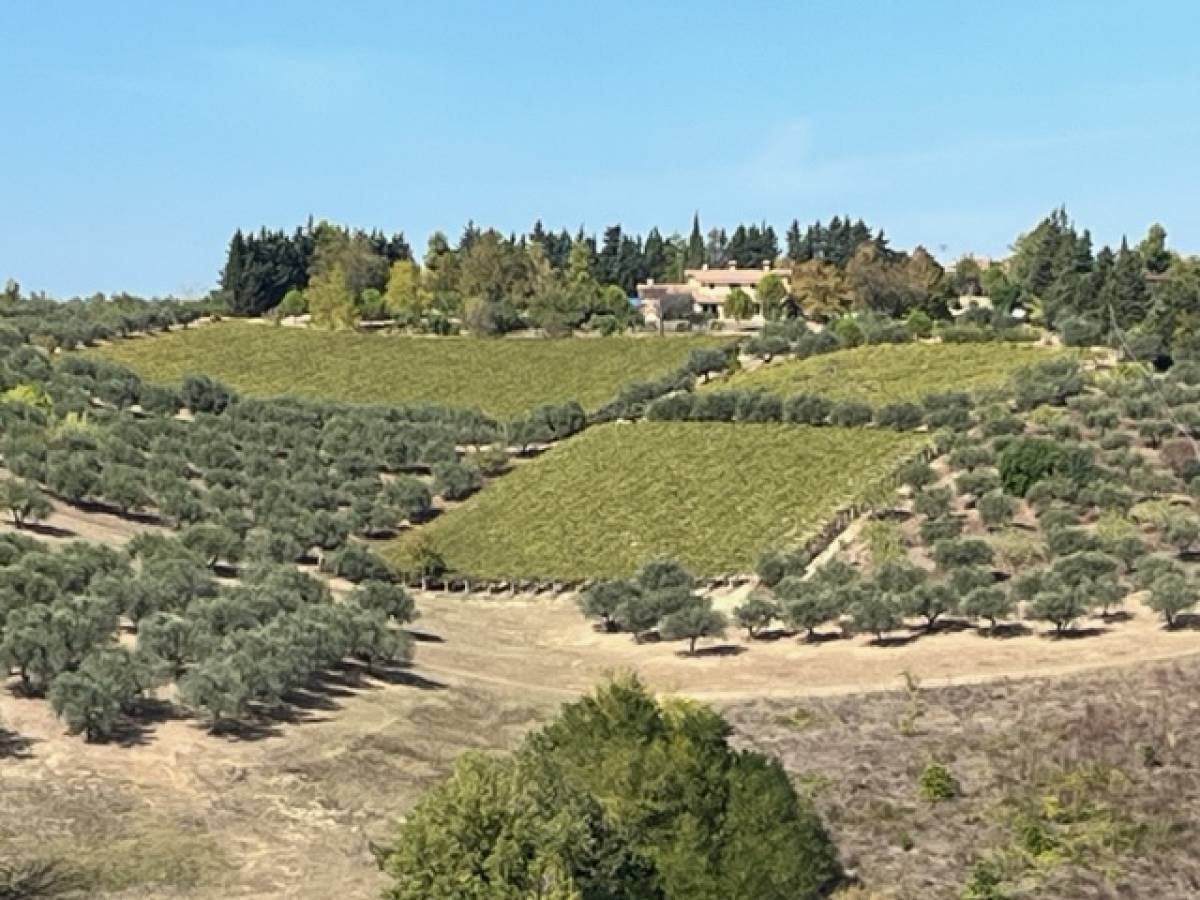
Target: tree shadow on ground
point(250, 729)
point(947, 626)
point(1006, 630)
point(45, 530)
point(14, 745)
point(770, 635)
point(1074, 634)
point(402, 674)
point(817, 638)
point(1186, 622)
point(141, 518)
point(425, 637)
point(717, 650)
point(896, 640)
point(1117, 616)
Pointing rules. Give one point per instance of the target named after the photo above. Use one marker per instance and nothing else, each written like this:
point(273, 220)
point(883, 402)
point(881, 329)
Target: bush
point(900, 416)
point(806, 409)
point(916, 474)
point(1053, 381)
point(967, 552)
point(933, 502)
point(354, 562)
point(937, 784)
point(504, 826)
point(850, 414)
point(1026, 461)
point(995, 509)
point(202, 394)
point(455, 480)
point(934, 530)
point(977, 483)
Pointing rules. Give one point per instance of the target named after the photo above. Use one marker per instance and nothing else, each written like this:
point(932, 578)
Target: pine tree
point(796, 248)
point(1125, 295)
point(654, 259)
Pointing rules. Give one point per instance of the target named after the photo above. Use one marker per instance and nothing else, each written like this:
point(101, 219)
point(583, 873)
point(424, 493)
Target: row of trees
point(81, 322)
point(228, 647)
point(491, 283)
point(1142, 298)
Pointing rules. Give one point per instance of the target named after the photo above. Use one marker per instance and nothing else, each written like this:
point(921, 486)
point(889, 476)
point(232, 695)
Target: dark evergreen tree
point(696, 249)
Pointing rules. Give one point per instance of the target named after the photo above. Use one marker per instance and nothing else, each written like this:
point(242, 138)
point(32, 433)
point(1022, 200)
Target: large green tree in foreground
point(622, 796)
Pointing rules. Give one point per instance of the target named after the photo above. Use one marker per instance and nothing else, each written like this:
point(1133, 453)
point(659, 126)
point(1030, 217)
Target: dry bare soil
point(291, 809)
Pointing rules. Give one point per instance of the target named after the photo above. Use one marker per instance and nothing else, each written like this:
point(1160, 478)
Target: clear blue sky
point(139, 134)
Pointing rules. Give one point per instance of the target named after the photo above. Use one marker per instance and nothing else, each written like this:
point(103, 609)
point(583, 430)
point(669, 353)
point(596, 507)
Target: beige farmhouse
point(705, 290)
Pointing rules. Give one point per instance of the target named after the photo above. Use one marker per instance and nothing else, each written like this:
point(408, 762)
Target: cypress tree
point(695, 246)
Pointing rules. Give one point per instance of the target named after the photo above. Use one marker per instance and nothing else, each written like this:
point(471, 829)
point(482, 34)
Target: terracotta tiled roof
point(734, 276)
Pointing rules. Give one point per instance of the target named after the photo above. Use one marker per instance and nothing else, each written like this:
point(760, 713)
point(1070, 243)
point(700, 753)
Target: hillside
point(504, 378)
point(889, 373)
point(712, 496)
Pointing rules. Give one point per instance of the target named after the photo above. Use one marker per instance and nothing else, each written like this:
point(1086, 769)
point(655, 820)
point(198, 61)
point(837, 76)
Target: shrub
point(900, 416)
point(884, 541)
point(916, 474)
point(946, 528)
point(806, 409)
point(937, 784)
point(850, 414)
point(354, 562)
point(1016, 550)
point(933, 502)
point(672, 408)
point(1026, 461)
point(977, 483)
point(505, 825)
point(455, 480)
point(995, 509)
point(202, 394)
point(918, 324)
point(1052, 381)
point(1065, 541)
point(967, 552)
point(759, 406)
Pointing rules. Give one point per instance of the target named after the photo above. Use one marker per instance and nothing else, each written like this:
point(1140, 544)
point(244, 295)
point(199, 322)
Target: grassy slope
point(891, 372)
point(712, 496)
point(502, 377)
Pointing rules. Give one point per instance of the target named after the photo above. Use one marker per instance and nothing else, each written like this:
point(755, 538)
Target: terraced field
point(888, 373)
point(712, 496)
point(503, 377)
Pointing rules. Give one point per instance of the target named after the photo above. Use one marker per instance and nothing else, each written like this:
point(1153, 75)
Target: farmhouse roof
point(734, 276)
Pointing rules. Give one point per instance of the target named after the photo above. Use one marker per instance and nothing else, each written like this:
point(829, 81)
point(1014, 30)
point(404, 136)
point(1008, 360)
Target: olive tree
point(1170, 595)
point(808, 604)
point(990, 603)
point(213, 542)
point(876, 612)
point(386, 597)
point(756, 613)
point(1060, 605)
point(24, 501)
point(602, 599)
point(693, 620)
